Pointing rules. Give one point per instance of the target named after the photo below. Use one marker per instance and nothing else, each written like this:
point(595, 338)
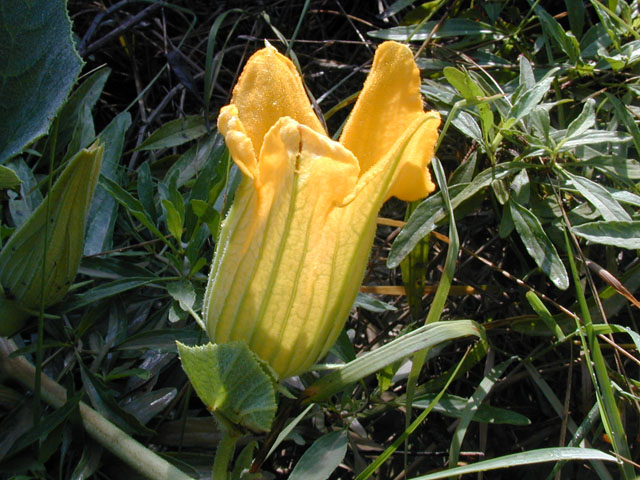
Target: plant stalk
point(144, 461)
point(224, 453)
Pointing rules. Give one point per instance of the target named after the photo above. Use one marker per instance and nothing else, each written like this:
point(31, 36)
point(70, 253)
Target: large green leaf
point(38, 68)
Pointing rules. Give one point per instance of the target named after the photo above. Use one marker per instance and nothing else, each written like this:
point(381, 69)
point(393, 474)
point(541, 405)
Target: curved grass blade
point(554, 454)
point(421, 338)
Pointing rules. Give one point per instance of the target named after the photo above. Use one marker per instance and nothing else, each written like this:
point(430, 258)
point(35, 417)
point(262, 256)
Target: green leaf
point(132, 204)
point(584, 121)
point(322, 458)
point(183, 293)
point(544, 314)
point(39, 66)
point(163, 340)
point(625, 118)
point(372, 304)
point(209, 149)
point(25, 270)
point(431, 211)
point(449, 28)
point(599, 197)
point(565, 40)
point(107, 290)
point(174, 220)
point(474, 402)
point(454, 406)
point(21, 207)
point(553, 454)
point(46, 424)
point(232, 383)
point(102, 399)
point(470, 90)
point(369, 363)
point(622, 168)
point(617, 234)
point(8, 178)
point(104, 208)
point(75, 128)
point(528, 98)
point(174, 133)
point(538, 245)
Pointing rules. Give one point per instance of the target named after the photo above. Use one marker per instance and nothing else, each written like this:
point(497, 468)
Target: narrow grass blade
point(525, 458)
point(421, 338)
point(474, 402)
point(411, 428)
point(609, 413)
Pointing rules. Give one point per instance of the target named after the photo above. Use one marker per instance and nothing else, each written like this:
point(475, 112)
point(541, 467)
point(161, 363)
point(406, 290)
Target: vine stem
point(225, 450)
point(140, 458)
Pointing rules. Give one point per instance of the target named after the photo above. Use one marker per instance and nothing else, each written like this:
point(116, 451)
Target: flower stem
point(224, 453)
point(144, 461)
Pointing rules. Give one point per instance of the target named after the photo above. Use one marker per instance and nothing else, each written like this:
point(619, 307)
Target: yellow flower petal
point(390, 102)
point(412, 180)
point(238, 142)
point(268, 89)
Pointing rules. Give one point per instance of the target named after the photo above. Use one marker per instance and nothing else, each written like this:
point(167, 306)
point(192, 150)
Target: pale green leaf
point(183, 293)
point(617, 234)
point(599, 197)
point(584, 121)
point(8, 178)
point(453, 406)
point(322, 458)
point(60, 221)
point(174, 133)
point(369, 363)
point(538, 245)
point(449, 28)
point(232, 383)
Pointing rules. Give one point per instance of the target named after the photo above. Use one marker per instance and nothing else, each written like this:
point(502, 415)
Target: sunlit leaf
point(538, 245)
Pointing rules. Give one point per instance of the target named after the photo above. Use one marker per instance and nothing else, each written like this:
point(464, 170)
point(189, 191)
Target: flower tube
point(294, 246)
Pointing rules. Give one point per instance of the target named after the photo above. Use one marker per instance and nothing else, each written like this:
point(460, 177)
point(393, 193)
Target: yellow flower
point(294, 246)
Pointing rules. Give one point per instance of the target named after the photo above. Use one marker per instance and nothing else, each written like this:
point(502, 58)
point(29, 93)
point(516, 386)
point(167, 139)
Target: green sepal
point(235, 386)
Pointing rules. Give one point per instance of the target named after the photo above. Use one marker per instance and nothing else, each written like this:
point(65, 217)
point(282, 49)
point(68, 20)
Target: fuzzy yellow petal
point(412, 180)
point(389, 104)
point(268, 89)
point(238, 142)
